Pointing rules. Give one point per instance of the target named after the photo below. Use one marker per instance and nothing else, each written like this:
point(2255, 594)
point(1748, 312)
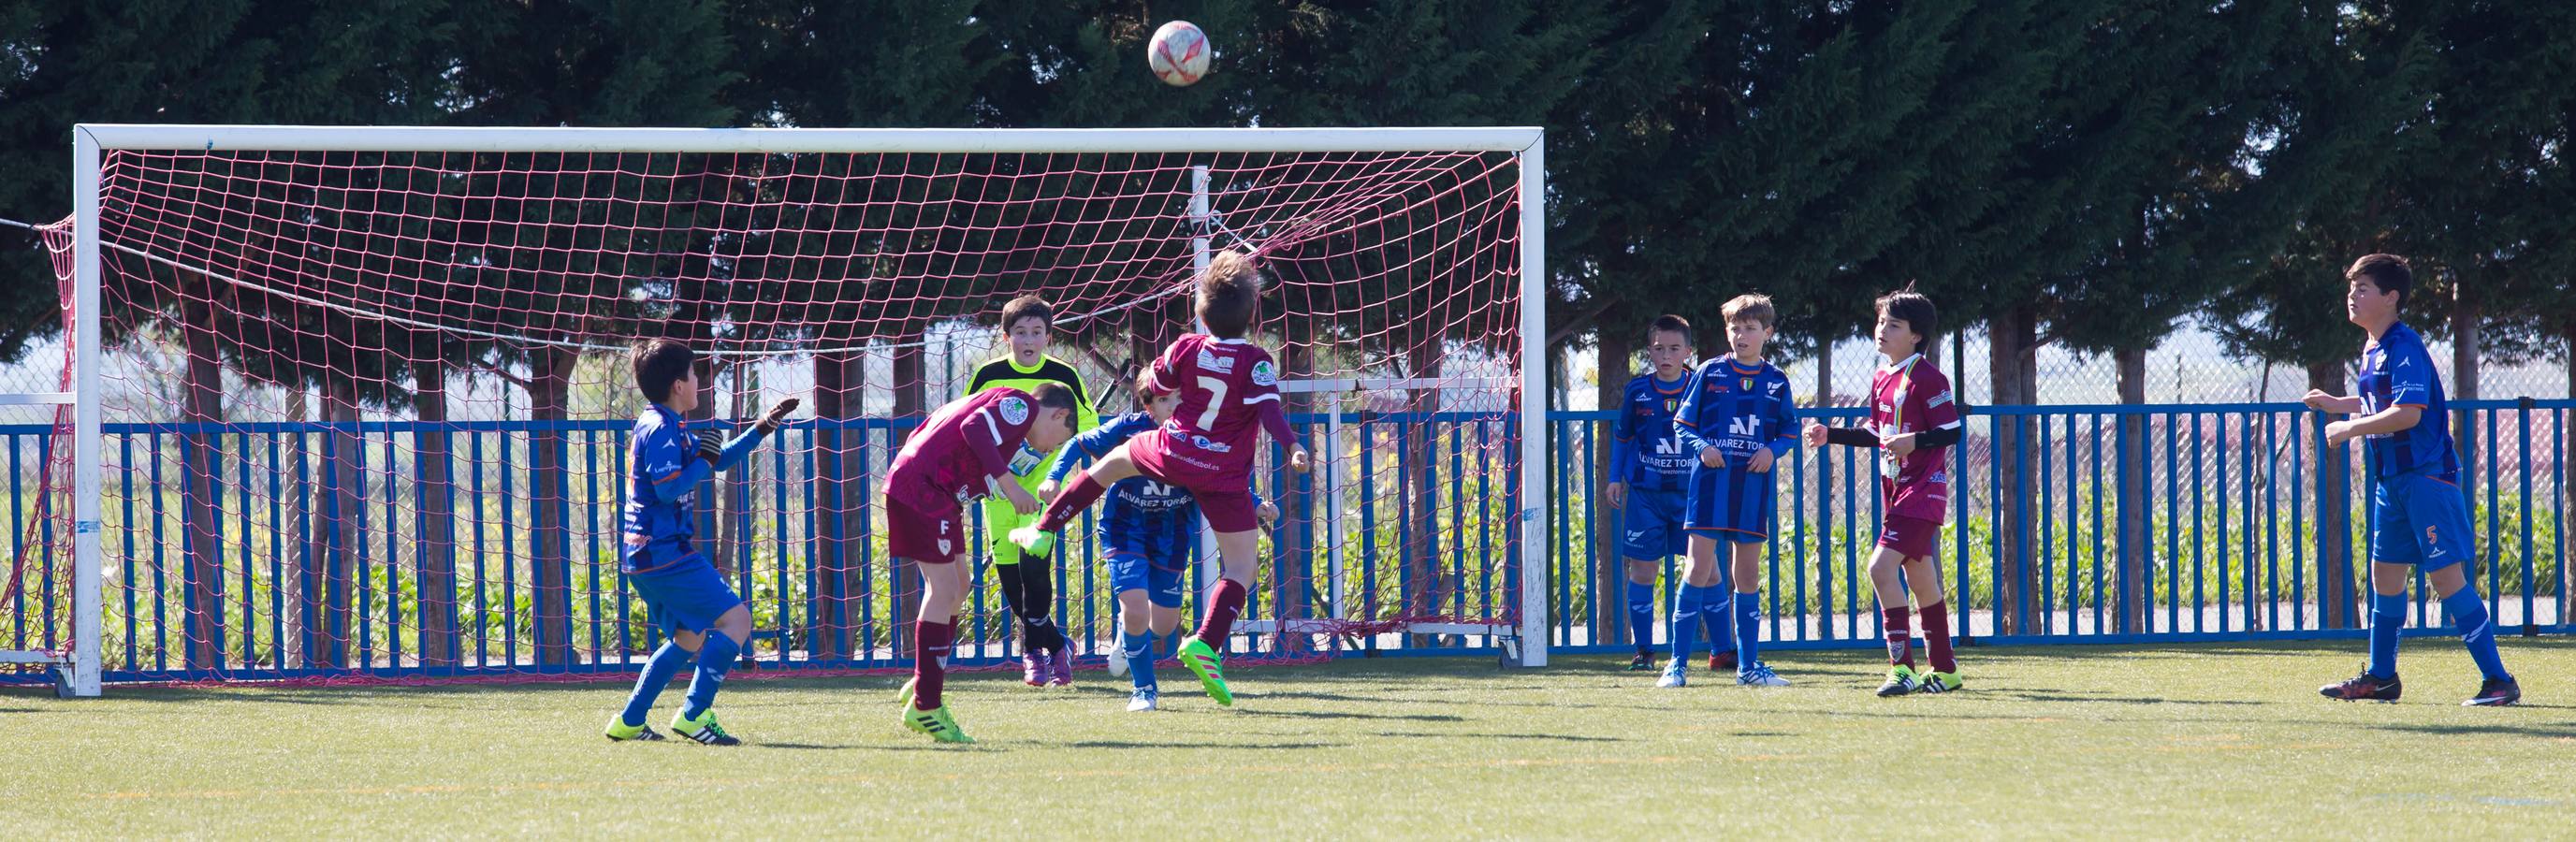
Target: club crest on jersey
point(1015, 411)
point(1264, 375)
point(1215, 364)
point(1670, 406)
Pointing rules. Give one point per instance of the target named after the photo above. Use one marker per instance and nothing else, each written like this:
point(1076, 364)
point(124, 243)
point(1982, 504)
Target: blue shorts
point(1651, 525)
point(1734, 504)
point(689, 595)
point(2420, 520)
point(1135, 572)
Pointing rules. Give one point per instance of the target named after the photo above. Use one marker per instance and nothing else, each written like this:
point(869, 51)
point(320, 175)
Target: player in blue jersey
point(2419, 517)
point(1650, 480)
point(1145, 531)
point(704, 617)
point(1737, 417)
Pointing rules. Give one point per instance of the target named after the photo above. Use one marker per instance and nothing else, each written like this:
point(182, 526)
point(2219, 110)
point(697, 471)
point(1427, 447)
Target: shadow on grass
point(2564, 731)
point(1322, 714)
point(1120, 744)
point(1569, 738)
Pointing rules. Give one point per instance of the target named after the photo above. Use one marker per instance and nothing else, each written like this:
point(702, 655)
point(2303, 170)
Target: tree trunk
point(437, 551)
point(2137, 498)
point(292, 526)
point(1423, 581)
point(343, 508)
point(1294, 539)
point(2337, 598)
point(550, 513)
point(841, 520)
point(1610, 566)
point(911, 390)
point(1823, 572)
point(2467, 320)
point(2012, 340)
point(2567, 432)
point(201, 512)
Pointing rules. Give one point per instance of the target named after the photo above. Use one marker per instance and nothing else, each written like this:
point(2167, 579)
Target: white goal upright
point(354, 399)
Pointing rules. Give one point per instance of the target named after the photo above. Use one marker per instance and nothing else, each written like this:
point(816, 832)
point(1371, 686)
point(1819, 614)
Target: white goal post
point(1524, 641)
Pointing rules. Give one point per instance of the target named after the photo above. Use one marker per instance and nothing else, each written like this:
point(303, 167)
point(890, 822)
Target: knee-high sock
point(1070, 501)
point(1748, 628)
point(1037, 606)
point(1936, 636)
point(2477, 630)
point(931, 643)
point(1900, 634)
point(1008, 575)
point(1225, 603)
point(1685, 626)
point(1139, 651)
point(1714, 605)
point(715, 657)
point(2387, 616)
point(666, 662)
point(1716, 612)
point(1641, 616)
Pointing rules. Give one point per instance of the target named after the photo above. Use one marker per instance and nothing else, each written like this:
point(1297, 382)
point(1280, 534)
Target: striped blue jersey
point(2398, 371)
point(1738, 409)
point(1643, 451)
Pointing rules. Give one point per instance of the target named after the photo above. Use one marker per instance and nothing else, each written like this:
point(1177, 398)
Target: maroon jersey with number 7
point(1229, 392)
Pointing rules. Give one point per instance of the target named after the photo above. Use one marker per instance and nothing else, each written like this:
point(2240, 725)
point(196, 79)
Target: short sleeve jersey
point(1740, 408)
point(2397, 371)
point(939, 466)
point(1222, 384)
point(1913, 397)
point(1654, 459)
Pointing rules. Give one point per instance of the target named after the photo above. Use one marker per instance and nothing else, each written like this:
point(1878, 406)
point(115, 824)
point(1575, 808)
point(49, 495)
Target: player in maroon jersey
point(1913, 422)
point(1229, 392)
point(963, 452)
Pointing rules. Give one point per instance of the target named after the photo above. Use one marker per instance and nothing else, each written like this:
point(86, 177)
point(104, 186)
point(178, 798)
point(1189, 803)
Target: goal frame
point(1524, 645)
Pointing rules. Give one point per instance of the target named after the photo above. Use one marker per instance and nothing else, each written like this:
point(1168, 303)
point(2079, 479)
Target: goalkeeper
point(704, 617)
point(1027, 324)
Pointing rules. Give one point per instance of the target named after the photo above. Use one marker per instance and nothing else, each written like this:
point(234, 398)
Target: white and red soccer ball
point(1178, 54)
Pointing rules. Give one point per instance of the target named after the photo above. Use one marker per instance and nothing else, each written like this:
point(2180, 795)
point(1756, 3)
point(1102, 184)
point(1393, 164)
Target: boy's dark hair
point(1026, 307)
point(1755, 307)
point(1054, 396)
point(1669, 323)
point(660, 363)
point(1916, 310)
point(2388, 272)
point(1230, 293)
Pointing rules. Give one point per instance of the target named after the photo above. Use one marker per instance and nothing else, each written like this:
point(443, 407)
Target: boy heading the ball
point(1229, 392)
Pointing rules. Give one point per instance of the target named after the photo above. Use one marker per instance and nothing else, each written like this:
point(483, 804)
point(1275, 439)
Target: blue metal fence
point(326, 551)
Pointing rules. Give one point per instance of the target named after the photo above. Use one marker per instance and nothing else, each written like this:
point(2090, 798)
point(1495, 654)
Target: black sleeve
point(1850, 437)
point(1943, 437)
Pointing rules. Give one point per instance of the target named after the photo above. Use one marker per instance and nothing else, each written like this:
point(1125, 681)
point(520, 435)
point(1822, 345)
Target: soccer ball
point(1178, 54)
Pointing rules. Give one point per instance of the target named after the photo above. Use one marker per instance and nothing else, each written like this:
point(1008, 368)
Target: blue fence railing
point(280, 550)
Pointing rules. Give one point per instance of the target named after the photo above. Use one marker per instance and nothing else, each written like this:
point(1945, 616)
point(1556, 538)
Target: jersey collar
point(1235, 341)
point(1903, 364)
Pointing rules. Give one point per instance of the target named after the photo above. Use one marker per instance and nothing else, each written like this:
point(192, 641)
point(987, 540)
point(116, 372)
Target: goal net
point(362, 403)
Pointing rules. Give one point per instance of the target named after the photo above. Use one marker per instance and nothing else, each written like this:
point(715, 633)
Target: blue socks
point(714, 658)
point(1748, 629)
point(1718, 613)
point(666, 662)
point(1686, 608)
point(2477, 630)
point(1139, 650)
point(1641, 615)
point(2387, 615)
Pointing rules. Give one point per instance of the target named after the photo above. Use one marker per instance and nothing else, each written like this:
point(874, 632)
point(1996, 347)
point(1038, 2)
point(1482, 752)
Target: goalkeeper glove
point(710, 446)
point(777, 415)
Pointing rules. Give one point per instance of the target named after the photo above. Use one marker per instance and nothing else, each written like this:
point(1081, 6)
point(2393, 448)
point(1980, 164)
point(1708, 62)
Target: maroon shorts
point(1224, 494)
point(924, 537)
point(1911, 537)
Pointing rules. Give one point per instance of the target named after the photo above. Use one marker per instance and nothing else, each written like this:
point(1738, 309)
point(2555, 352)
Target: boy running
point(2420, 519)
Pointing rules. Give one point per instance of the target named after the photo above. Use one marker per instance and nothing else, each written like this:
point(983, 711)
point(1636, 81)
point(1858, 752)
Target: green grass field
point(2207, 740)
